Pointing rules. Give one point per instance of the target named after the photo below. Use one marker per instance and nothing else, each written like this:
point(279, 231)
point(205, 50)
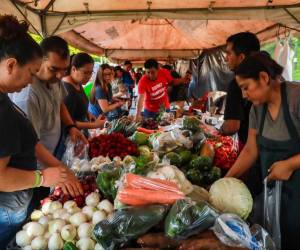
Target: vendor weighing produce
point(20, 60)
point(152, 89)
point(273, 136)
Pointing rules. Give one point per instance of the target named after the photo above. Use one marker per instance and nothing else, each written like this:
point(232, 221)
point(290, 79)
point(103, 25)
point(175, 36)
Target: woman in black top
point(81, 70)
point(20, 59)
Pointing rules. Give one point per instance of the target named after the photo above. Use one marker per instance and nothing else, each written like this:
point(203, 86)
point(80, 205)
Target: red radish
point(45, 200)
point(79, 200)
point(58, 192)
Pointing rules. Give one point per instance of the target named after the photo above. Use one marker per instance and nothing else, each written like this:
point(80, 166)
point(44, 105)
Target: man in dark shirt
point(237, 108)
point(127, 77)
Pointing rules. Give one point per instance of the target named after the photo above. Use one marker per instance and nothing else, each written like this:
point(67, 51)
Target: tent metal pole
point(49, 5)
point(27, 20)
point(43, 17)
point(59, 24)
point(179, 10)
point(291, 15)
point(43, 24)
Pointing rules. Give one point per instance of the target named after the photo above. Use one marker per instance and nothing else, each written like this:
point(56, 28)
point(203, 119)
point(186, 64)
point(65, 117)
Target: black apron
point(272, 151)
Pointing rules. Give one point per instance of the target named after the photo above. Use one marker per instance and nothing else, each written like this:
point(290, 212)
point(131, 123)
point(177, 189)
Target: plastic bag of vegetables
point(142, 164)
point(187, 218)
point(168, 141)
point(127, 224)
point(75, 151)
point(232, 231)
point(172, 174)
point(138, 190)
point(106, 180)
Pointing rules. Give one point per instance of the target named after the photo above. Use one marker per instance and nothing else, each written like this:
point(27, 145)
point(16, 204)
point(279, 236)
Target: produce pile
point(88, 184)
point(115, 144)
point(140, 182)
point(150, 123)
point(65, 225)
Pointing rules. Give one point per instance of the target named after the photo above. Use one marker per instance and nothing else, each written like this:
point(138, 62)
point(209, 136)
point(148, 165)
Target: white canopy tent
point(164, 29)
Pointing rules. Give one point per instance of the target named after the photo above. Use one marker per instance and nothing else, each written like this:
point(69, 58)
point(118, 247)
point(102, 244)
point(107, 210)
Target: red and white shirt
point(156, 91)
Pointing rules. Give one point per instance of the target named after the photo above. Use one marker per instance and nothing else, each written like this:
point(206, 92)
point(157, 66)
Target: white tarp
point(284, 56)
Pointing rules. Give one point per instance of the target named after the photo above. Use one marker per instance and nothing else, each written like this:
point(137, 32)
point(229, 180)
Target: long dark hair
point(99, 82)
point(79, 60)
point(15, 42)
point(257, 62)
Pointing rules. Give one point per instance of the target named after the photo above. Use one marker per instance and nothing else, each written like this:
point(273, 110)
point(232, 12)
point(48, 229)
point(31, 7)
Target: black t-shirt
point(18, 140)
point(178, 92)
point(77, 103)
point(237, 108)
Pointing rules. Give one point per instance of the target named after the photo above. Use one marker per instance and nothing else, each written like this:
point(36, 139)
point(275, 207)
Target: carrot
point(137, 181)
point(147, 131)
point(149, 196)
point(126, 199)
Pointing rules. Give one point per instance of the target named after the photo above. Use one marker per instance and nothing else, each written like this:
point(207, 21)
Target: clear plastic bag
point(168, 141)
point(173, 174)
point(166, 119)
point(227, 149)
point(232, 231)
point(137, 190)
point(128, 224)
point(74, 151)
point(272, 207)
point(187, 218)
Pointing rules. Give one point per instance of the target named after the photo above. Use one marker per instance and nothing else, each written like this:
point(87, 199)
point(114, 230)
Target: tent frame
point(43, 13)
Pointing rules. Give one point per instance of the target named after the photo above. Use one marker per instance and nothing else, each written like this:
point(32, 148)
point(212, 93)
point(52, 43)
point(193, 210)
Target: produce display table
point(146, 186)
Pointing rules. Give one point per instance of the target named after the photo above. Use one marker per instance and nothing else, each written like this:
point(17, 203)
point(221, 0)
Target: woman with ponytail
point(274, 137)
point(80, 72)
point(20, 60)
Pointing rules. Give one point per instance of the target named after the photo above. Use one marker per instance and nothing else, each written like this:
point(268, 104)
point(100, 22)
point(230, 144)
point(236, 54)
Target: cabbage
point(230, 195)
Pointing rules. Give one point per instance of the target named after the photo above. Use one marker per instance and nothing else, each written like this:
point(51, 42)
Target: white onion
point(55, 226)
point(39, 243)
point(36, 215)
point(44, 220)
point(55, 205)
point(59, 212)
point(78, 218)
point(92, 199)
point(74, 210)
point(70, 204)
point(23, 239)
point(46, 207)
point(55, 242)
point(85, 244)
point(68, 232)
point(98, 216)
point(106, 206)
point(89, 211)
point(34, 229)
point(85, 230)
point(66, 217)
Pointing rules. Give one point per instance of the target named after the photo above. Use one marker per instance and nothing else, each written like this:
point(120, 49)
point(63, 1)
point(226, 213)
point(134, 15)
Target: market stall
point(151, 185)
point(155, 184)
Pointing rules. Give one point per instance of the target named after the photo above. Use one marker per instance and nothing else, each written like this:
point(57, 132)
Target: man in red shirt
point(152, 90)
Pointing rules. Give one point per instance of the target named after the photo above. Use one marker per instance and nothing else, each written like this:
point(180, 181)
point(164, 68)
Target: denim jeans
point(150, 114)
point(10, 223)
